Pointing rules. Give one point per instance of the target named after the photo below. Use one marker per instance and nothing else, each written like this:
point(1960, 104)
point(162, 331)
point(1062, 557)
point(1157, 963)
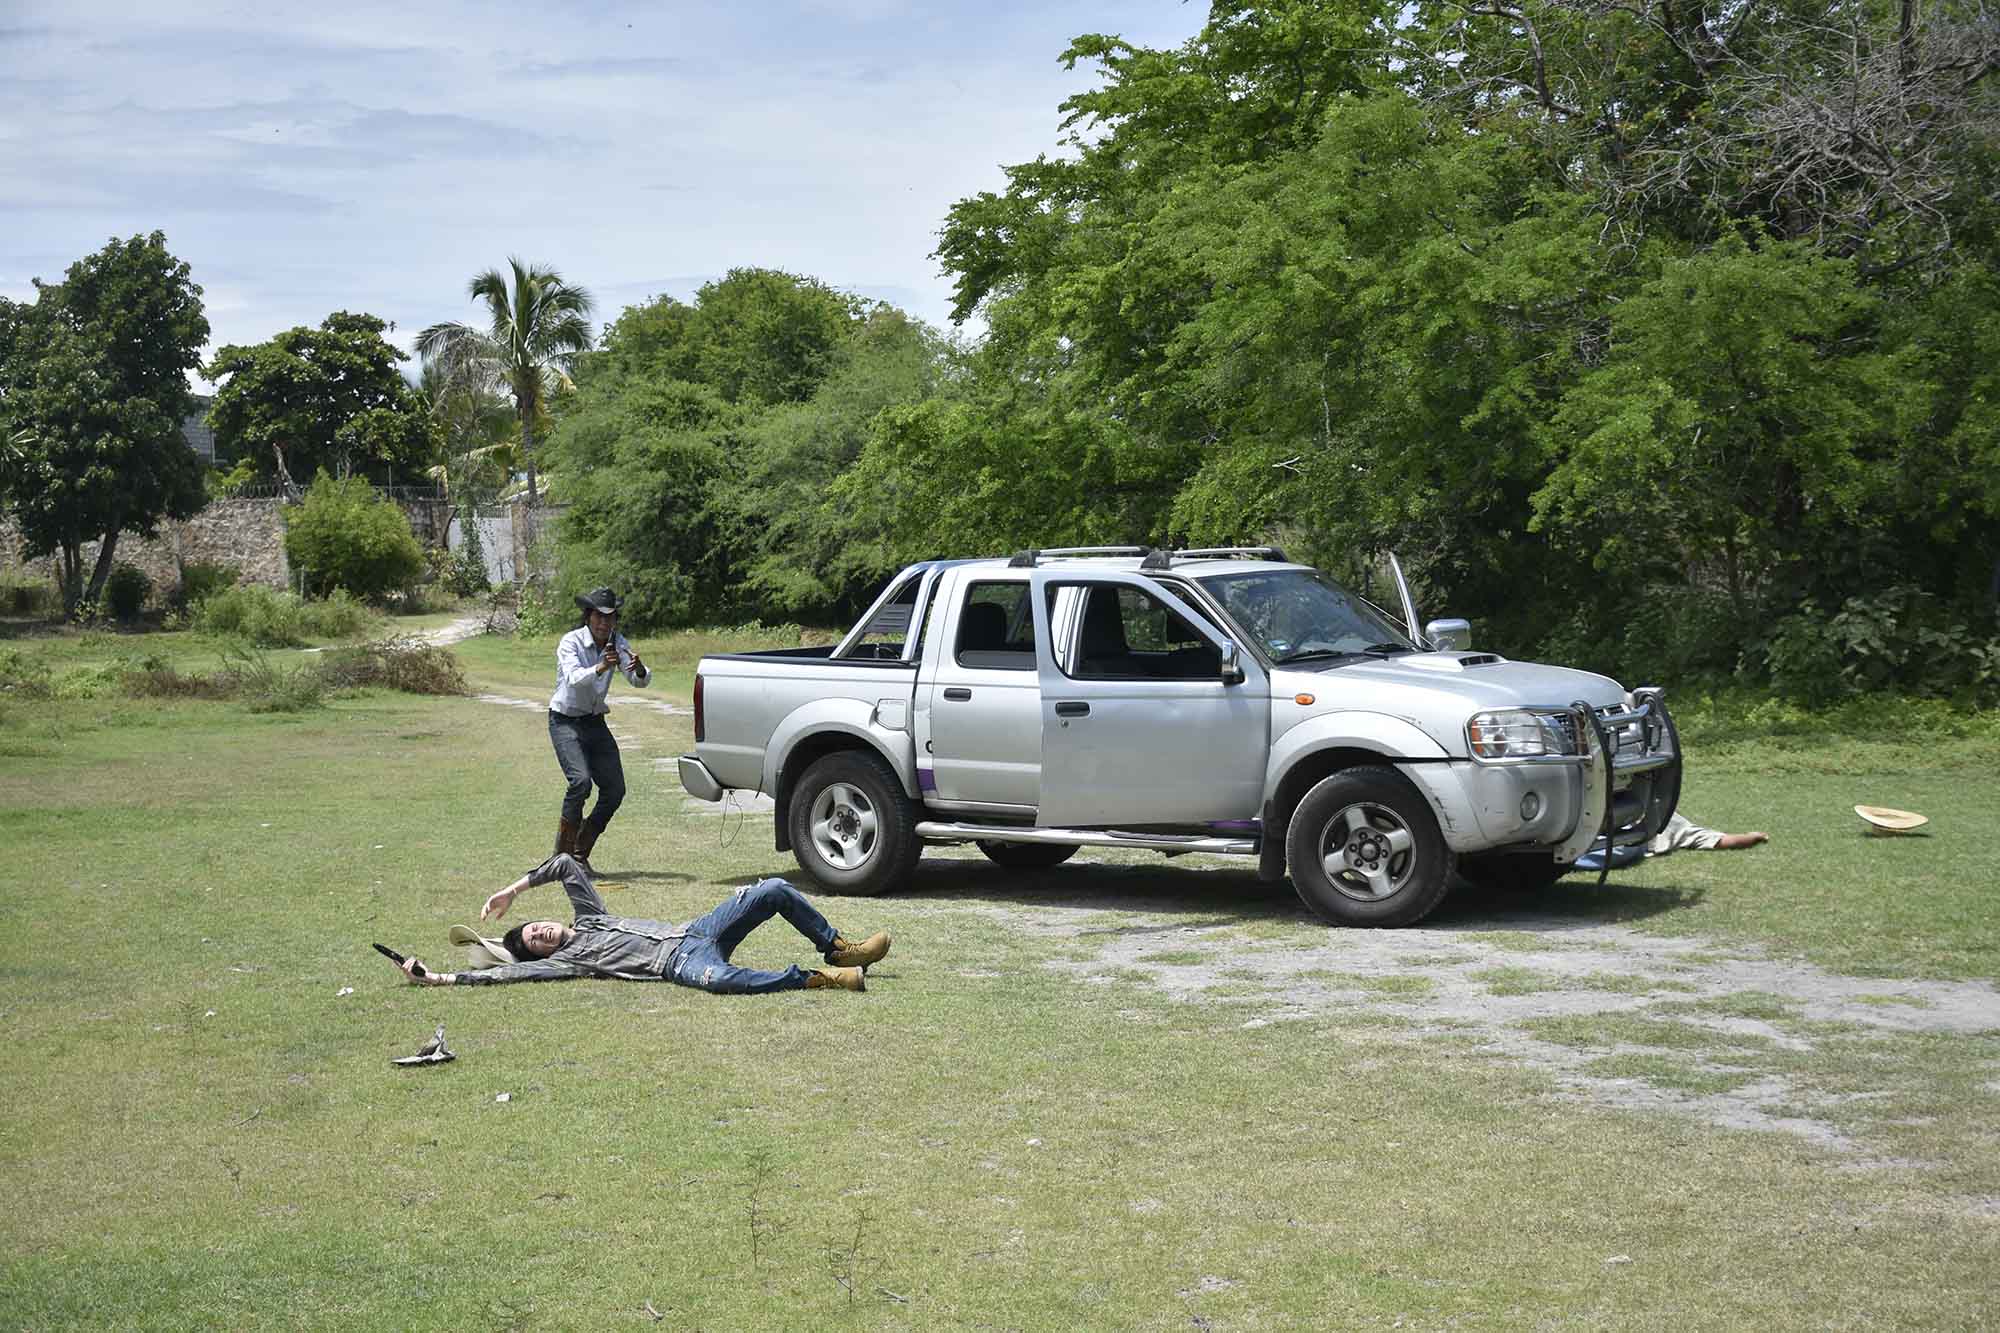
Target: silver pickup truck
point(1224, 701)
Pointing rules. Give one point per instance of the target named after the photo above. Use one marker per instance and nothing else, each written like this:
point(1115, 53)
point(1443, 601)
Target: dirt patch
point(1616, 1017)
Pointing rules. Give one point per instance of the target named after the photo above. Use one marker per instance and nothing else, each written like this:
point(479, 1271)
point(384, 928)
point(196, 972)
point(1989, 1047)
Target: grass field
point(1727, 1091)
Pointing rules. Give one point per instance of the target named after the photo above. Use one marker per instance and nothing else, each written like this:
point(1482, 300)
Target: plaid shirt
point(627, 948)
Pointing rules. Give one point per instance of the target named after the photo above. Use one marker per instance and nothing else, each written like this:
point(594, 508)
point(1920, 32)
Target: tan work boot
point(844, 952)
point(847, 978)
point(565, 836)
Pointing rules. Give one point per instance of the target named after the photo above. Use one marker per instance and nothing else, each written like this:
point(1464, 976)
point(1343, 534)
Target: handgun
point(397, 959)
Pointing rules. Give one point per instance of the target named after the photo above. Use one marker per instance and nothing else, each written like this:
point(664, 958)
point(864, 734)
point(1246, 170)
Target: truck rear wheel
point(1364, 850)
point(1027, 855)
point(853, 830)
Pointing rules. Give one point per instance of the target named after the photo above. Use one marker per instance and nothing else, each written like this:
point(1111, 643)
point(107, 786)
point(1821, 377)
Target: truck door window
point(1126, 633)
point(996, 628)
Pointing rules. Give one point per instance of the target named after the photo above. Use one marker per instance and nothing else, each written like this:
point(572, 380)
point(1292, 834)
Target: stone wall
point(248, 534)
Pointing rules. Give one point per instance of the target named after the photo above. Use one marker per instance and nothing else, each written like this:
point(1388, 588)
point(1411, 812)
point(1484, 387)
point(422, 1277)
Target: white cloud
point(372, 156)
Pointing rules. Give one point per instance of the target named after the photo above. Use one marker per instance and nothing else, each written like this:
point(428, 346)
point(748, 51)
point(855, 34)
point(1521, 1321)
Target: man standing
point(585, 659)
point(695, 954)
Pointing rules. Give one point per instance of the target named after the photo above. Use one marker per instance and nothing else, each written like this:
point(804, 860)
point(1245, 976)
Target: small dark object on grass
point(432, 1052)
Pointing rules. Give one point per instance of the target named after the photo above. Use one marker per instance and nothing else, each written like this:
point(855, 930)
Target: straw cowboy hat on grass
point(1886, 823)
point(480, 951)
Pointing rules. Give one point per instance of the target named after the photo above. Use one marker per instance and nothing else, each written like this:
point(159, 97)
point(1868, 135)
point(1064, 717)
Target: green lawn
point(1126, 1093)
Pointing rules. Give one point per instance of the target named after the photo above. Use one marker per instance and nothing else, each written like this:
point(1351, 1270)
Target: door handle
point(957, 693)
point(1072, 708)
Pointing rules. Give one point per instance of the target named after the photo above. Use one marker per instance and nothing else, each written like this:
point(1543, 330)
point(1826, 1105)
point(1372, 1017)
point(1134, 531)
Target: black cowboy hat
point(600, 599)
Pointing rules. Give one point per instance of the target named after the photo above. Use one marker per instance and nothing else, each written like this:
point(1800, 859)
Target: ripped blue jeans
point(701, 959)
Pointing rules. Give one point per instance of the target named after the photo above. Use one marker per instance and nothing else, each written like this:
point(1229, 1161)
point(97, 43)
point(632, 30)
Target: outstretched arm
point(583, 899)
point(496, 906)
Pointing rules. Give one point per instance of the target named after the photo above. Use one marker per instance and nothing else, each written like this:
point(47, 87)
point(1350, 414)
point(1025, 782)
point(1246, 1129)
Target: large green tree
point(701, 447)
point(1701, 291)
point(537, 325)
point(93, 391)
point(328, 398)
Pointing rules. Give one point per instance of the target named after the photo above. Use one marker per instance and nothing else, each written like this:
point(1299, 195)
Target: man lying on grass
point(630, 948)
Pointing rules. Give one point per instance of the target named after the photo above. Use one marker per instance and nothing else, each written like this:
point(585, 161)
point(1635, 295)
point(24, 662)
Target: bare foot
point(1732, 842)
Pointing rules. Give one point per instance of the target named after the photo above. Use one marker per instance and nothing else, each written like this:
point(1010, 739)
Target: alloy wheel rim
point(1368, 852)
point(843, 826)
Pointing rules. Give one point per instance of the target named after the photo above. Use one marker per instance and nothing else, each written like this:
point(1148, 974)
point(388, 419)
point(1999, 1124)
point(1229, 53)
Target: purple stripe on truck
point(926, 780)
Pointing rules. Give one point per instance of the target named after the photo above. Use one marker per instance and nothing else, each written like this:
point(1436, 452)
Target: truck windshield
point(1296, 614)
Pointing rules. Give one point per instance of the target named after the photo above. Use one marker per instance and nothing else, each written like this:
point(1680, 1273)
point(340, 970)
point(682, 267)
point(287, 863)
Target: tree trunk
point(99, 575)
point(72, 577)
point(528, 451)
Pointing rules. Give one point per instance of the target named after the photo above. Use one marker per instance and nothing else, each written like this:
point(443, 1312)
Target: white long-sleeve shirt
point(580, 688)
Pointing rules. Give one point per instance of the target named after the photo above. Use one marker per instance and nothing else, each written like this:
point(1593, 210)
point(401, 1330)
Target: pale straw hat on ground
point(1886, 823)
point(480, 951)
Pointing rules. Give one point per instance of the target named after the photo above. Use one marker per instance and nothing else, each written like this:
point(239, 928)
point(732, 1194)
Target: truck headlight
point(1511, 733)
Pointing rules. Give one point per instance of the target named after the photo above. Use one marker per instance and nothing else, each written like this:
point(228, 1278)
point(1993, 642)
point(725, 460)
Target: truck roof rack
point(1161, 558)
point(1030, 558)
point(1237, 552)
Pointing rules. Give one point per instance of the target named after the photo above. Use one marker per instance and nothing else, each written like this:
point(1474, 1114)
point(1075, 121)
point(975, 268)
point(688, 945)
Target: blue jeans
point(588, 755)
point(702, 959)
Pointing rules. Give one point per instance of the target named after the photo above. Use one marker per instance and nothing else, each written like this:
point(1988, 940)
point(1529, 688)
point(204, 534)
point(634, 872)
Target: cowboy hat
point(481, 952)
point(1884, 822)
point(600, 599)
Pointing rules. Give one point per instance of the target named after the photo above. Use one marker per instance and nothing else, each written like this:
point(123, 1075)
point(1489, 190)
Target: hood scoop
point(1451, 661)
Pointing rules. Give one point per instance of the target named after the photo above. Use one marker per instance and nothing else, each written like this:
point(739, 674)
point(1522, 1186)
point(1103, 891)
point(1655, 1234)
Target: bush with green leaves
point(29, 598)
point(269, 618)
point(1898, 640)
point(344, 535)
point(403, 662)
point(126, 592)
point(201, 579)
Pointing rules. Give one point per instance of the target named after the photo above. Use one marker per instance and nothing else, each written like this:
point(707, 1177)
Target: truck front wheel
point(853, 829)
point(1364, 850)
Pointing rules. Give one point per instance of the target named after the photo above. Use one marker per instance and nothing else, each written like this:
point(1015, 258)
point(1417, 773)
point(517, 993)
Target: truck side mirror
point(1449, 636)
point(1232, 664)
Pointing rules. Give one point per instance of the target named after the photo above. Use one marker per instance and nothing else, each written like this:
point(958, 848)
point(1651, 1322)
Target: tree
point(327, 398)
point(93, 390)
point(538, 324)
point(703, 439)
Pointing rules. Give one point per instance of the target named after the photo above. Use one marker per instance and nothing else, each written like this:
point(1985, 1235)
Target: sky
point(373, 157)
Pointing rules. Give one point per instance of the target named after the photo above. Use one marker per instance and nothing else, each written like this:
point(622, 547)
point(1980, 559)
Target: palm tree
point(538, 325)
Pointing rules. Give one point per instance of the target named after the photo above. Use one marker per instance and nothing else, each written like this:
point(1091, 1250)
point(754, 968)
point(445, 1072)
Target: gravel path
point(1492, 987)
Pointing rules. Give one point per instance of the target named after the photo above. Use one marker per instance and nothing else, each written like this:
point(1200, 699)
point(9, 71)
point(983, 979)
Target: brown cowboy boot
point(844, 952)
point(565, 836)
point(586, 838)
point(847, 978)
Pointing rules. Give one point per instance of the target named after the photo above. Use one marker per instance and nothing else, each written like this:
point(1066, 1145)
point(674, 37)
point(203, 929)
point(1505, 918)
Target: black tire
point(853, 830)
point(1364, 850)
point(1512, 872)
point(1027, 855)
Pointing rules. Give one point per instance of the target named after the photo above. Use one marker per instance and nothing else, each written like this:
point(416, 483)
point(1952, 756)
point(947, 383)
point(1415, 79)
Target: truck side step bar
point(931, 830)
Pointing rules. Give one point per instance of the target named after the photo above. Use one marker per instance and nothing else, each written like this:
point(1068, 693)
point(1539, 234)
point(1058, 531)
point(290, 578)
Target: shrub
point(344, 536)
point(126, 591)
point(1899, 640)
point(261, 616)
point(267, 618)
point(201, 580)
point(269, 687)
point(406, 663)
point(338, 615)
point(35, 598)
